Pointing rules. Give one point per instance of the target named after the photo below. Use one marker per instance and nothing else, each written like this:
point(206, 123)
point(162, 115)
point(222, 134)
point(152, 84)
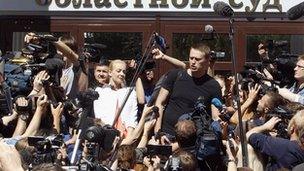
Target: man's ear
point(266, 110)
point(291, 130)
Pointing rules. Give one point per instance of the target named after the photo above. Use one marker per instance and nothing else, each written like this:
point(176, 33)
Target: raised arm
point(36, 120)
point(160, 103)
point(159, 55)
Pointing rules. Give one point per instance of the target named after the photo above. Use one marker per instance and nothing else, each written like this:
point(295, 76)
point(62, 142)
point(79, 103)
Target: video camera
point(250, 76)
point(285, 115)
point(282, 61)
point(104, 135)
point(93, 52)
point(46, 148)
point(216, 55)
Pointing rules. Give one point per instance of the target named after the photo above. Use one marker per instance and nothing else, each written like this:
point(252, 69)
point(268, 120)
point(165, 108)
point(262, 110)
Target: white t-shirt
point(67, 79)
point(106, 105)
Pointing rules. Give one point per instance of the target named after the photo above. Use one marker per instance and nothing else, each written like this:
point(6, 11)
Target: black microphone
point(218, 104)
point(223, 9)
point(296, 11)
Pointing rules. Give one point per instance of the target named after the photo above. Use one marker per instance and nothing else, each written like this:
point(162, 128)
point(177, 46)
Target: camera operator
point(267, 67)
point(284, 153)
point(296, 92)
point(70, 73)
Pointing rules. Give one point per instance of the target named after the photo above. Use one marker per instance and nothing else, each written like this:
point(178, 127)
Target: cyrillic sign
point(145, 5)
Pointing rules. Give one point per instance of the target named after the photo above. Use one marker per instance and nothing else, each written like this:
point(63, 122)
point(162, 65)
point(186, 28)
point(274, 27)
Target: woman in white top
point(111, 98)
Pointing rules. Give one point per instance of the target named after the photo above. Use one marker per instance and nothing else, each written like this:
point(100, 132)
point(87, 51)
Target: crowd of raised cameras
point(68, 109)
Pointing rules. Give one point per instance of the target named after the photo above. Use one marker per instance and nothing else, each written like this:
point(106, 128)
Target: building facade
point(125, 26)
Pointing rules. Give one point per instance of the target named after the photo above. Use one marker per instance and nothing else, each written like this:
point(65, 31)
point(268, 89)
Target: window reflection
point(278, 45)
point(119, 45)
point(183, 41)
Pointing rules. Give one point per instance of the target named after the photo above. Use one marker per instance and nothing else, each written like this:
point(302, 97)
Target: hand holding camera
point(22, 107)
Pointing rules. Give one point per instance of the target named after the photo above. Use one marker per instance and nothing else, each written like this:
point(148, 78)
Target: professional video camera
point(40, 48)
point(104, 135)
point(93, 52)
point(216, 55)
point(207, 140)
point(46, 148)
point(39, 54)
point(250, 77)
point(285, 115)
point(282, 60)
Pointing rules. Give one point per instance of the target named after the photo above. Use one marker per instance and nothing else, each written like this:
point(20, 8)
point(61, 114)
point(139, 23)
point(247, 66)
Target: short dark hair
point(275, 100)
point(103, 62)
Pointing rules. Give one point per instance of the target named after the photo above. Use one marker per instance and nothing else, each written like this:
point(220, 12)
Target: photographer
point(284, 153)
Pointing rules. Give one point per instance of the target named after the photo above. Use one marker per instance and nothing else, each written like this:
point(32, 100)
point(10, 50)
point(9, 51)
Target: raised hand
point(40, 77)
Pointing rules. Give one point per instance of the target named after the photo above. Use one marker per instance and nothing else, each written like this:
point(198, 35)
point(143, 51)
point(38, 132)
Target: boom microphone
point(223, 9)
point(296, 11)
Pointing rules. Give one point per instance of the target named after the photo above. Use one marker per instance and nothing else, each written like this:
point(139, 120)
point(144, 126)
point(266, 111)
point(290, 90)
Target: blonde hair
point(297, 122)
point(111, 68)
point(301, 57)
point(202, 48)
point(114, 62)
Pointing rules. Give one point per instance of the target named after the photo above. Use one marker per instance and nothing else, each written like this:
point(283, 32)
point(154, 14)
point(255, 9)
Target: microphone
point(218, 104)
point(223, 9)
point(209, 28)
point(222, 108)
point(296, 12)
